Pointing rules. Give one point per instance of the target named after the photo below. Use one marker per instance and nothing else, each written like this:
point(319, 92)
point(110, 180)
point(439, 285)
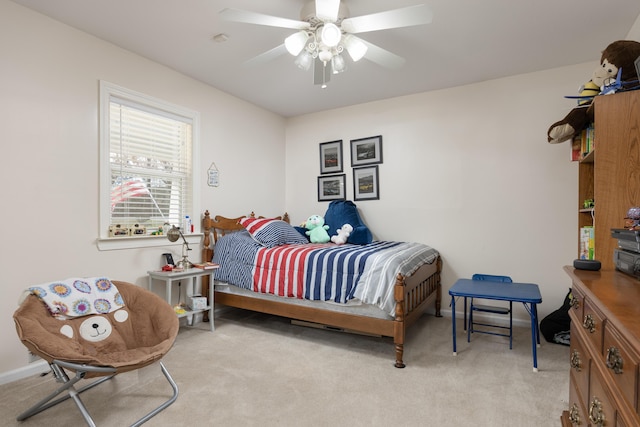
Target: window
point(146, 159)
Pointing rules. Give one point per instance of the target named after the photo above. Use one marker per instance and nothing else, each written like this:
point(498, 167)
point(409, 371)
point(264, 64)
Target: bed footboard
point(413, 295)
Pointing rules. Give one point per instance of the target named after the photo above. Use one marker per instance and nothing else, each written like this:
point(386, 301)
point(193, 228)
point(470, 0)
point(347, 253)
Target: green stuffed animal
point(316, 230)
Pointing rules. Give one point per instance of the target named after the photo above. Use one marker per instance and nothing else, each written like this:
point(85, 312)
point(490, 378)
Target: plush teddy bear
point(316, 230)
point(619, 54)
point(343, 233)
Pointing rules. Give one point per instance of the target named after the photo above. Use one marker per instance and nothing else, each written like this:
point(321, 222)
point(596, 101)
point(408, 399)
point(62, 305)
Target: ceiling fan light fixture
point(337, 64)
point(330, 35)
point(356, 48)
point(325, 55)
point(304, 60)
point(296, 42)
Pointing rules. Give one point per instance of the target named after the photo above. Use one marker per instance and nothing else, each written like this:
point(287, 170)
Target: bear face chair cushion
point(141, 332)
point(134, 329)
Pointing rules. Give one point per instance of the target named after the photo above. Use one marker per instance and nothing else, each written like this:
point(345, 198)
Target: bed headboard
point(219, 226)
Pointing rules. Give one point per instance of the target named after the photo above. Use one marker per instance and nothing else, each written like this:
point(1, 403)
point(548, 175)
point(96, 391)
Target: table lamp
point(173, 235)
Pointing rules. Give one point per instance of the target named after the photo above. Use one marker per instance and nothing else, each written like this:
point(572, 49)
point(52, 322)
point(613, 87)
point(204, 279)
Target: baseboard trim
point(34, 368)
point(494, 318)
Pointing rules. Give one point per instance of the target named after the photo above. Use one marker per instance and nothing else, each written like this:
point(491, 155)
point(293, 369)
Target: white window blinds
point(149, 162)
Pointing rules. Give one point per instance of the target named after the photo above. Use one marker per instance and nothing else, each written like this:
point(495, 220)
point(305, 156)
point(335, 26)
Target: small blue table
point(526, 293)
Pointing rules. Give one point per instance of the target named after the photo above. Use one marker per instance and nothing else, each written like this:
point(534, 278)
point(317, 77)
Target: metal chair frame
point(495, 328)
point(57, 367)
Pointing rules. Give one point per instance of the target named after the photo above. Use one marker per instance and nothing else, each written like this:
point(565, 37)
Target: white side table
point(170, 277)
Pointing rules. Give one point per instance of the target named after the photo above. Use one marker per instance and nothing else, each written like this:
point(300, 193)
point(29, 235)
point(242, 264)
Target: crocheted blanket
point(76, 297)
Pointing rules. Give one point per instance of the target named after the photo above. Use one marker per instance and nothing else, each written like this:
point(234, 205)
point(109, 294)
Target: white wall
point(466, 170)
point(49, 76)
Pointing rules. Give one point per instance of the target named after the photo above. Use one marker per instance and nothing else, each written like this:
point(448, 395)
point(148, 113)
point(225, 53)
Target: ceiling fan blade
point(321, 73)
point(267, 56)
point(396, 18)
point(247, 17)
point(382, 56)
point(327, 10)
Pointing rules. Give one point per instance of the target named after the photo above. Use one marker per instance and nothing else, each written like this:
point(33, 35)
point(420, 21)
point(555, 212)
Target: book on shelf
point(587, 245)
point(206, 265)
point(583, 143)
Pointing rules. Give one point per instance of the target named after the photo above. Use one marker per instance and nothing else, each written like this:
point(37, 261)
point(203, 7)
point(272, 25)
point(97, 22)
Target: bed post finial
point(206, 227)
point(285, 218)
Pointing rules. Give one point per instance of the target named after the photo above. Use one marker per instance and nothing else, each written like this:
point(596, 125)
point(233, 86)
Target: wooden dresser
point(605, 350)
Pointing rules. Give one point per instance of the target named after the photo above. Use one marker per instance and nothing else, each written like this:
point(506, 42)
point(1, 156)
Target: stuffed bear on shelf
point(620, 54)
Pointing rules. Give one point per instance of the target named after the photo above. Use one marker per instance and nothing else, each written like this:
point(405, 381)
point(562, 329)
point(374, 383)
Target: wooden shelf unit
point(611, 175)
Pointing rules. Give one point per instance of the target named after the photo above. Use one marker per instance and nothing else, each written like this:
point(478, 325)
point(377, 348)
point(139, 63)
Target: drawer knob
point(575, 361)
point(574, 415)
point(614, 360)
point(596, 414)
point(575, 304)
point(589, 324)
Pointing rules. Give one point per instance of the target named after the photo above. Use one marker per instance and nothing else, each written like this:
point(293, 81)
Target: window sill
point(137, 242)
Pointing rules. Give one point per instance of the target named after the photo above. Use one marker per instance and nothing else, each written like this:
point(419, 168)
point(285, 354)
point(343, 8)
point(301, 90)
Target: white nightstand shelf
point(192, 275)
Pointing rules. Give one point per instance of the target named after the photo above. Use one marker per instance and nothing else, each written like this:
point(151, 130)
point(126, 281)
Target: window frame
point(107, 91)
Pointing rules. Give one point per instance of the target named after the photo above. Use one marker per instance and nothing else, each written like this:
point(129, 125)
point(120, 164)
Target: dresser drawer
point(577, 414)
point(601, 410)
point(579, 361)
point(592, 323)
point(621, 364)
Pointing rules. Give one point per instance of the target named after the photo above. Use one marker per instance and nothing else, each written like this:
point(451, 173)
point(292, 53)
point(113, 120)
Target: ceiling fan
point(325, 31)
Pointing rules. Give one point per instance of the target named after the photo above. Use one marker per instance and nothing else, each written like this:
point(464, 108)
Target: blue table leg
point(534, 335)
point(453, 322)
point(465, 314)
point(535, 308)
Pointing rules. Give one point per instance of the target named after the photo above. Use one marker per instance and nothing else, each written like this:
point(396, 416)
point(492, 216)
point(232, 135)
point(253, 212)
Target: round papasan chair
point(136, 333)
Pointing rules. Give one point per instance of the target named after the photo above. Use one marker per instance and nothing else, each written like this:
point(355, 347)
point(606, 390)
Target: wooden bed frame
point(413, 295)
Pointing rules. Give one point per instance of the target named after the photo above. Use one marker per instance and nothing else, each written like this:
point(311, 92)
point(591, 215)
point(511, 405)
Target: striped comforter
point(326, 272)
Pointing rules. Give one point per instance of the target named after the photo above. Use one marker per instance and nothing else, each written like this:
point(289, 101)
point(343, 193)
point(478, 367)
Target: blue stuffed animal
point(316, 230)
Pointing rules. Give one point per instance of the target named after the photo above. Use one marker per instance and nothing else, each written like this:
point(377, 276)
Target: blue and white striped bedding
point(326, 272)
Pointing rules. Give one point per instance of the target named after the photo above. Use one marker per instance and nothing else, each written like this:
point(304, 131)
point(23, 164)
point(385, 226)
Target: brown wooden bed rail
point(413, 295)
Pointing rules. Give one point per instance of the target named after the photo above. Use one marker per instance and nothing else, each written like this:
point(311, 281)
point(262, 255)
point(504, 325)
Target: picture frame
point(331, 187)
point(365, 183)
point(331, 157)
point(366, 151)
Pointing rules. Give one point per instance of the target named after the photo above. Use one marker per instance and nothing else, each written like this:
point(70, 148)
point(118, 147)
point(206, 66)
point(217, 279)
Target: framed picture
point(365, 183)
point(331, 187)
point(331, 157)
point(366, 151)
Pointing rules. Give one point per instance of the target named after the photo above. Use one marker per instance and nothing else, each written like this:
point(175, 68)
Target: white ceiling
point(468, 41)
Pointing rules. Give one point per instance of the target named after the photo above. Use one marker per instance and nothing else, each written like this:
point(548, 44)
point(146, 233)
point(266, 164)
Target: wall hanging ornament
point(213, 175)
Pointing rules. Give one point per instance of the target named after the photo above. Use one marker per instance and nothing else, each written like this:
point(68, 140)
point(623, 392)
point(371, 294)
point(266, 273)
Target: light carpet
point(259, 370)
